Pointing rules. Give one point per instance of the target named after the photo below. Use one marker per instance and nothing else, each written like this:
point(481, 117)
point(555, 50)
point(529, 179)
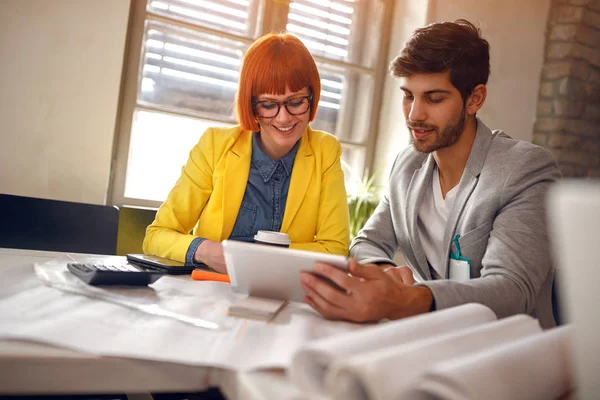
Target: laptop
point(574, 226)
point(272, 272)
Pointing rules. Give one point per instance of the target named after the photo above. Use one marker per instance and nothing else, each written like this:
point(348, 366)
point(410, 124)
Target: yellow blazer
point(209, 192)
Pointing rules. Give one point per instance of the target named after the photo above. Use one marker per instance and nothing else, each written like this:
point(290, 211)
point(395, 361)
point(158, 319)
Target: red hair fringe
point(272, 63)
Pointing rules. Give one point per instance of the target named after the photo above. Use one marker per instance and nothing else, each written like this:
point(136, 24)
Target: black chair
point(52, 225)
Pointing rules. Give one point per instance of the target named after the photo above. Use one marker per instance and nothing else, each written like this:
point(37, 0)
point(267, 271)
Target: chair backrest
point(53, 225)
point(132, 229)
point(574, 216)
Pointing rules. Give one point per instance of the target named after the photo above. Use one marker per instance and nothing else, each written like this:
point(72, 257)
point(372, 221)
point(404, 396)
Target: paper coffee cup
point(273, 238)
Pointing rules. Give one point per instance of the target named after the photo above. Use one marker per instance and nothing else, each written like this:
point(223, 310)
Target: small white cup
point(273, 238)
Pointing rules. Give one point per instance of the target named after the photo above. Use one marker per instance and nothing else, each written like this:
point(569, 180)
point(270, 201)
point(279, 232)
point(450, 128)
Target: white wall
point(60, 72)
point(392, 133)
point(60, 68)
point(515, 30)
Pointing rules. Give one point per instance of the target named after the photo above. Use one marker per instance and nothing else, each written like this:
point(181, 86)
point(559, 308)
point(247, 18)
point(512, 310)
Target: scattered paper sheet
point(32, 310)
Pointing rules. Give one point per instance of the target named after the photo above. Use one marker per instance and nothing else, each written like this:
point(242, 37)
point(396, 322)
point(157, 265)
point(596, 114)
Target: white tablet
point(272, 272)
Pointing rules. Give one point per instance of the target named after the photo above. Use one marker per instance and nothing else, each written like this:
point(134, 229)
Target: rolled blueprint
point(538, 367)
point(388, 373)
point(310, 364)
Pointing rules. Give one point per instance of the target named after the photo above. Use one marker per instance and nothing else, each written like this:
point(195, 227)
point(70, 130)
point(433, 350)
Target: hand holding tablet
point(270, 271)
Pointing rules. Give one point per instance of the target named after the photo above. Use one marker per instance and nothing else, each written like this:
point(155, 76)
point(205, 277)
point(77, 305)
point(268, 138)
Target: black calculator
point(113, 274)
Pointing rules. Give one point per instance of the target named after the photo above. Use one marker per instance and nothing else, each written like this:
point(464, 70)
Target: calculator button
point(129, 267)
point(123, 268)
point(83, 267)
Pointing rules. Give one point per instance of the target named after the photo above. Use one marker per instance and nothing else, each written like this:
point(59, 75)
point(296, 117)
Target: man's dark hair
point(447, 46)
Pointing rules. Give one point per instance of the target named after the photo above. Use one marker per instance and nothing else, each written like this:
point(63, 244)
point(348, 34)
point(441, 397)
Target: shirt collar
point(265, 165)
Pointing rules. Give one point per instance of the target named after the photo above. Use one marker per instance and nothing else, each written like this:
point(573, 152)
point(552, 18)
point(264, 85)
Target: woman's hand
point(210, 253)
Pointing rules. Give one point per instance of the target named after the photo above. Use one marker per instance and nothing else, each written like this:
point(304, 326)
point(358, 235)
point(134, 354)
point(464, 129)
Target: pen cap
point(273, 238)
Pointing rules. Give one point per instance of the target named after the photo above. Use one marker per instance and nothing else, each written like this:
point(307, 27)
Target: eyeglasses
point(294, 106)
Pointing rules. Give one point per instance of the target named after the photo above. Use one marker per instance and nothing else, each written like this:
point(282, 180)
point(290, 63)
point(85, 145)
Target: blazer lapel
point(301, 176)
point(417, 188)
point(235, 179)
point(467, 184)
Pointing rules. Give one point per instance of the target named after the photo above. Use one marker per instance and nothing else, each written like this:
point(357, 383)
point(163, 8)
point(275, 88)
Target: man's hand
point(210, 253)
point(401, 274)
point(371, 294)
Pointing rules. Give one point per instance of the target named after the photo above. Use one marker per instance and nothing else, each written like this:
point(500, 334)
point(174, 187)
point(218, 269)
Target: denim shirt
point(264, 200)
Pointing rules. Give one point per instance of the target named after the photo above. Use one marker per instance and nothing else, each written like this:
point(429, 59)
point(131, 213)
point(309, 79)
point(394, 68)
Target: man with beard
point(465, 205)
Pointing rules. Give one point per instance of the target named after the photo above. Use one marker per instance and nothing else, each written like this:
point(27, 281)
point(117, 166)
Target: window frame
point(277, 12)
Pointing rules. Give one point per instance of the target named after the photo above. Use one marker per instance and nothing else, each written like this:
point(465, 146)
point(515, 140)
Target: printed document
point(173, 320)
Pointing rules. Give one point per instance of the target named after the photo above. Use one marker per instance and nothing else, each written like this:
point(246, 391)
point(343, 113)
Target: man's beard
point(446, 138)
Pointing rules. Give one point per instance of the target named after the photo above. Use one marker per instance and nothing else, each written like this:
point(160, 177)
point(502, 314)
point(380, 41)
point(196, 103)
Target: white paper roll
point(387, 373)
point(310, 364)
point(538, 367)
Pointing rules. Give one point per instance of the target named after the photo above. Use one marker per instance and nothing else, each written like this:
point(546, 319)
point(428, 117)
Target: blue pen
point(457, 255)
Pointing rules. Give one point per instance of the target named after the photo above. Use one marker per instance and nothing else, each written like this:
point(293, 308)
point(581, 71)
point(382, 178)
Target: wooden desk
point(33, 368)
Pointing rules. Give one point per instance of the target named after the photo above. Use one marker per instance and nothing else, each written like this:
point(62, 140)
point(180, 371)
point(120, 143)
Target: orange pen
point(202, 275)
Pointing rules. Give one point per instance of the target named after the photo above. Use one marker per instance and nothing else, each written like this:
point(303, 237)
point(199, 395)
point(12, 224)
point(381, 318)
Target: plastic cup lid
point(272, 237)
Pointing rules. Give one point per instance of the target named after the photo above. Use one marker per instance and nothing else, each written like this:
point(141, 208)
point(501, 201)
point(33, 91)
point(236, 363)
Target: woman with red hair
point(271, 172)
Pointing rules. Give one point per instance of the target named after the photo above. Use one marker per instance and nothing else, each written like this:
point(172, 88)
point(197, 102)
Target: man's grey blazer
point(499, 213)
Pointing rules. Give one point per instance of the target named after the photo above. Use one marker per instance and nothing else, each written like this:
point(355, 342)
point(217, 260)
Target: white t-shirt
point(431, 223)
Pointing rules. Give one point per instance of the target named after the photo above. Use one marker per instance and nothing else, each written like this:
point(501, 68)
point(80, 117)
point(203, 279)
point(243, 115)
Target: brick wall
point(568, 113)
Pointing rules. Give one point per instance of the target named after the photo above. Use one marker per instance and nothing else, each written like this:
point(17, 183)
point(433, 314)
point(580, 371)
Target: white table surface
point(34, 368)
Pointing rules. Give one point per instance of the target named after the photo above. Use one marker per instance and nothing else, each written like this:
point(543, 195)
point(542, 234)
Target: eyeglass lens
point(295, 106)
